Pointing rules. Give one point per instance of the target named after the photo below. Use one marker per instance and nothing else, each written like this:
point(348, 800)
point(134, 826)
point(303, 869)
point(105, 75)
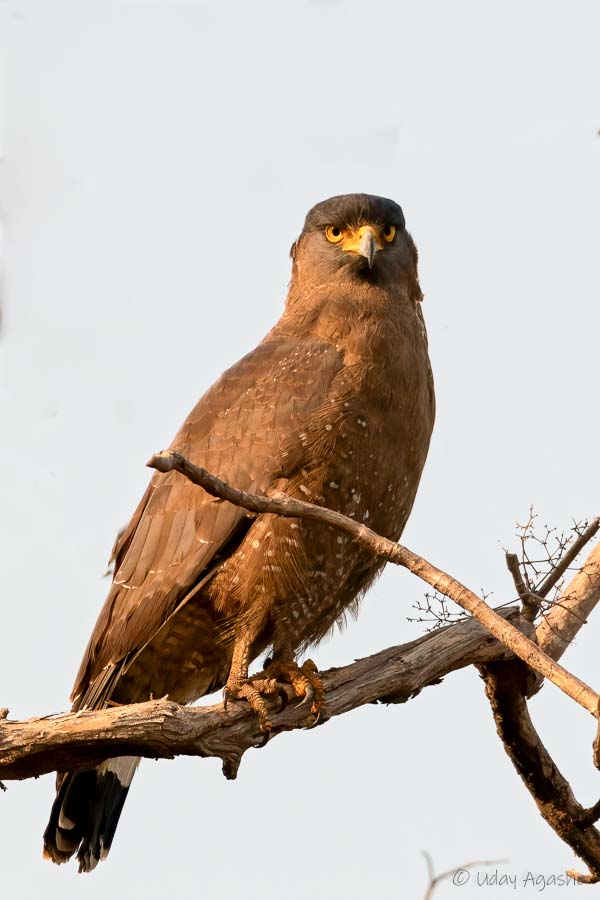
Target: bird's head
point(355, 237)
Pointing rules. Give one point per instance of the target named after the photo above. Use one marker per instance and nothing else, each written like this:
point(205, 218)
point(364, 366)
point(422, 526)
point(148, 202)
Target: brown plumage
point(336, 406)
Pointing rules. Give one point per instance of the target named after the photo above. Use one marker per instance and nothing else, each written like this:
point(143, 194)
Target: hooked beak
point(367, 245)
point(364, 240)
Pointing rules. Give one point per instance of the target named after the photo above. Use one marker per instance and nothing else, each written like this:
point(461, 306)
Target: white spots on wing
point(123, 584)
point(256, 544)
point(362, 422)
point(340, 539)
point(304, 490)
point(334, 485)
point(366, 515)
point(328, 427)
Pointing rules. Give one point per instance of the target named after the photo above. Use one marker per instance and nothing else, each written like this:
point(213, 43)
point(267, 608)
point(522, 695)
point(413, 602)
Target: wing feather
point(238, 431)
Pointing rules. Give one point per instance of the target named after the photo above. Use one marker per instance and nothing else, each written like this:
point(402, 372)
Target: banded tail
point(86, 812)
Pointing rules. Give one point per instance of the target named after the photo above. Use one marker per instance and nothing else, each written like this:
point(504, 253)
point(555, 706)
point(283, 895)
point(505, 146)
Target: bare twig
point(161, 728)
point(563, 621)
point(435, 880)
point(530, 601)
point(282, 505)
point(573, 551)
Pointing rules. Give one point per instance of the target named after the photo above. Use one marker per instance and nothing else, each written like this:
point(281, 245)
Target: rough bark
point(162, 729)
point(508, 683)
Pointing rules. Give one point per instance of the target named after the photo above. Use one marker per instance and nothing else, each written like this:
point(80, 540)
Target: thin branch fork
point(561, 624)
point(282, 505)
point(460, 871)
point(572, 553)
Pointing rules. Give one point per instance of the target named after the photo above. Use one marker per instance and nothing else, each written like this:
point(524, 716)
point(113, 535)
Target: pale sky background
point(157, 162)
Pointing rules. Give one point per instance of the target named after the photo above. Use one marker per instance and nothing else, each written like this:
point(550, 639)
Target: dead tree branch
point(507, 685)
point(506, 689)
point(162, 729)
point(529, 600)
point(507, 682)
point(572, 553)
point(282, 505)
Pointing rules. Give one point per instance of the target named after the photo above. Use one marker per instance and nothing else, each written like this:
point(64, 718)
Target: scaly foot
point(253, 689)
point(270, 683)
point(304, 679)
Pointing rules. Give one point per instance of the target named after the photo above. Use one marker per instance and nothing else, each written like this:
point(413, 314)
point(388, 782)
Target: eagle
point(335, 406)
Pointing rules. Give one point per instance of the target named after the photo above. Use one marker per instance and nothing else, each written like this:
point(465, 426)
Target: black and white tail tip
point(86, 812)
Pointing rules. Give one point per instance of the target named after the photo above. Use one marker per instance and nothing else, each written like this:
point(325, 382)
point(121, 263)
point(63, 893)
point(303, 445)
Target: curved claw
point(308, 696)
point(316, 722)
point(226, 697)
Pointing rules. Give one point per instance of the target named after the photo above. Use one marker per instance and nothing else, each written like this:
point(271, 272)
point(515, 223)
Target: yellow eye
point(389, 233)
point(333, 234)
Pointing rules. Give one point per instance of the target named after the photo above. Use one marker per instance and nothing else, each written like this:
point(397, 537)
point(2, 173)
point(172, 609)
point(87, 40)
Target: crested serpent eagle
point(334, 406)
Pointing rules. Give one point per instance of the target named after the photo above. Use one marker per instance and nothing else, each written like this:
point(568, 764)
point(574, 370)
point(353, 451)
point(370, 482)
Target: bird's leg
point(240, 687)
point(304, 679)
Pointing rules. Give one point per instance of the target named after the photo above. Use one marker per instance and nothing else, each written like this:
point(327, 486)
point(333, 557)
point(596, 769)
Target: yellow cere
point(350, 238)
